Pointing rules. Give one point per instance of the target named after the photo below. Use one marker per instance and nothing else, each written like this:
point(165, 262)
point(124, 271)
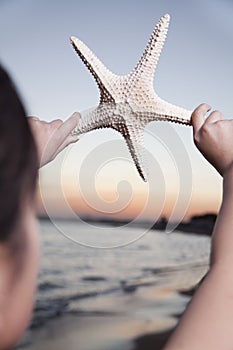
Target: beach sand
point(100, 334)
point(141, 319)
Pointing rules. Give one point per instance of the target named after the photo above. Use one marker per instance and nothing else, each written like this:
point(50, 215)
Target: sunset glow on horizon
point(121, 195)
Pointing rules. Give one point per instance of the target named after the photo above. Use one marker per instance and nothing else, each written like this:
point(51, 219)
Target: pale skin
point(52, 137)
point(20, 255)
point(208, 320)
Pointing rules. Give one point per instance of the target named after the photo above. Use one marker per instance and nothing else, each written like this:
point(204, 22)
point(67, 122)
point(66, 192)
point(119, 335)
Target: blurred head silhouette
point(18, 157)
point(19, 246)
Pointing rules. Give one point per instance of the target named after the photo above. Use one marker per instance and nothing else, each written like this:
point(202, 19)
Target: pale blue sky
point(195, 66)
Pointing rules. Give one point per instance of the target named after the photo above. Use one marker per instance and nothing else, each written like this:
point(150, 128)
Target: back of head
point(18, 157)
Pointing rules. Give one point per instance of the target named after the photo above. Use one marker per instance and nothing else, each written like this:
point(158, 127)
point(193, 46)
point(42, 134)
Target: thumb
point(67, 127)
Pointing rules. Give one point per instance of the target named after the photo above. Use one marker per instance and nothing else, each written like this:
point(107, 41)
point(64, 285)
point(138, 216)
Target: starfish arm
point(105, 79)
point(98, 118)
point(159, 109)
point(173, 113)
point(136, 147)
point(146, 67)
point(134, 138)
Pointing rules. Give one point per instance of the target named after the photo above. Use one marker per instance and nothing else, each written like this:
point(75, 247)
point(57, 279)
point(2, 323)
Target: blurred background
point(129, 291)
point(195, 66)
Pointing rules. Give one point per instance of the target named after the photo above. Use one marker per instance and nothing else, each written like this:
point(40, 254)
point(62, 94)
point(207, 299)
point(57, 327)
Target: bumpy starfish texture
point(128, 103)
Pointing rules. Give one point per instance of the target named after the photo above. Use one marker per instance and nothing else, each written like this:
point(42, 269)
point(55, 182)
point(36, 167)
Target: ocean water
point(120, 260)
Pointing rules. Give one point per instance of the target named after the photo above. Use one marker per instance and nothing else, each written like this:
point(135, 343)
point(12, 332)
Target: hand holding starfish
point(213, 137)
point(51, 138)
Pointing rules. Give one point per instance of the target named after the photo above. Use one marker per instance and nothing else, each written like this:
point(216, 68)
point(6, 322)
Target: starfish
point(128, 102)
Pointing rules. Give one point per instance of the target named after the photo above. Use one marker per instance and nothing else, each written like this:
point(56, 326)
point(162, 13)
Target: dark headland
point(197, 224)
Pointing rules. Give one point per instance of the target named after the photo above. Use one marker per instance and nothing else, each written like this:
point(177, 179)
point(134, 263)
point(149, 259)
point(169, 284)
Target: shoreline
point(202, 224)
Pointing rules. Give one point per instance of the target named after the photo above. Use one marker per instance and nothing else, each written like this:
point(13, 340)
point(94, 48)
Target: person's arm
point(207, 323)
point(52, 137)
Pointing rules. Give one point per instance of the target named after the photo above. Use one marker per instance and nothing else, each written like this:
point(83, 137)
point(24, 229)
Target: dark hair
point(18, 157)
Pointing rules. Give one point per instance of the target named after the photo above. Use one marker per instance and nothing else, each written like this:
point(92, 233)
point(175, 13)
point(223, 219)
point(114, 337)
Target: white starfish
point(128, 103)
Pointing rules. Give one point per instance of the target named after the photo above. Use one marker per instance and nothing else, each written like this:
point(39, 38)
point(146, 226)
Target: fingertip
point(33, 117)
point(215, 116)
point(76, 115)
point(206, 106)
point(203, 108)
point(73, 119)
